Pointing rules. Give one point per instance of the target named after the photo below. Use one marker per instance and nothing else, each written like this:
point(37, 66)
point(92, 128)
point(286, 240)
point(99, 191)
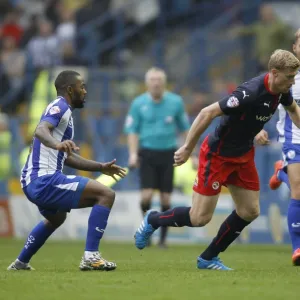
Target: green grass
point(261, 272)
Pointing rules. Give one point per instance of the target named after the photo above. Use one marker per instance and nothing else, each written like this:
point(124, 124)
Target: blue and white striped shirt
point(41, 159)
point(289, 133)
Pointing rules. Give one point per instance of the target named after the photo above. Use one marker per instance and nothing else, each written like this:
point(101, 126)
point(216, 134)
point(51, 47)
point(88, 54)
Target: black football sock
point(175, 217)
point(228, 232)
point(163, 229)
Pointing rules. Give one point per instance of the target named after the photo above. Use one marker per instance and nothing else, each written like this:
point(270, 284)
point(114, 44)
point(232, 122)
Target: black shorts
point(156, 169)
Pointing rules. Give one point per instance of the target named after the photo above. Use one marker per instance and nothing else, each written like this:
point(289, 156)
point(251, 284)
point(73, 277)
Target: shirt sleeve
point(236, 103)
point(182, 119)
point(132, 122)
point(286, 99)
point(54, 113)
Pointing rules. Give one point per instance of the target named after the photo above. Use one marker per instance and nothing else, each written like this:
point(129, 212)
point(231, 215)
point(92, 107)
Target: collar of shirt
point(157, 102)
point(61, 97)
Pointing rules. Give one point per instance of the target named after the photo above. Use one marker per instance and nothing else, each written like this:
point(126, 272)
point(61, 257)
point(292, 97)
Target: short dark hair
point(65, 79)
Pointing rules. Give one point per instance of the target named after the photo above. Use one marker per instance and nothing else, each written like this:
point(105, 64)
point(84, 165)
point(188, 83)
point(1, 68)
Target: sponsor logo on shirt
point(263, 118)
point(245, 95)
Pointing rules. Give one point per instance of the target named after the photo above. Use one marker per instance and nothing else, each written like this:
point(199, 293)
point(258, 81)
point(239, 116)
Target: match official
point(152, 125)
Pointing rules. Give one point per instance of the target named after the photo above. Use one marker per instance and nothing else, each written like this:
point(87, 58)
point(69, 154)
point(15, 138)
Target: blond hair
point(155, 70)
point(297, 36)
point(283, 60)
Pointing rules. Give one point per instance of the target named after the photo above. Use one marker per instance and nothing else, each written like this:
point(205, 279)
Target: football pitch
point(261, 272)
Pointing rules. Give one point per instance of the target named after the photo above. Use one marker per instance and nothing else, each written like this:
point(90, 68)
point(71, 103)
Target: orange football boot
point(274, 182)
point(296, 257)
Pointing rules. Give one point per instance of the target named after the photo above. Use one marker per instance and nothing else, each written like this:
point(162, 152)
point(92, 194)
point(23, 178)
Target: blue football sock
point(35, 241)
point(96, 226)
point(283, 176)
point(293, 218)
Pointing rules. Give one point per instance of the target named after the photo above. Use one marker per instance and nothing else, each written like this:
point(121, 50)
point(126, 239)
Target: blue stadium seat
point(108, 127)
point(3, 188)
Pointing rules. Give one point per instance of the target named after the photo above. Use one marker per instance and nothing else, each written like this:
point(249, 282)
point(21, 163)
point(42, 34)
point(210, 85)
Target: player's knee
point(110, 195)
point(107, 198)
point(249, 214)
point(199, 220)
point(295, 191)
point(57, 221)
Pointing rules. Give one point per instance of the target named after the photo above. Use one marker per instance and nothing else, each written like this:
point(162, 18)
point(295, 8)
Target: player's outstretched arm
point(294, 112)
point(199, 125)
point(80, 163)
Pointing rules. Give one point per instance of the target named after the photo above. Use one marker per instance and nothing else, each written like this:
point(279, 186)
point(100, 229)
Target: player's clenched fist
point(262, 138)
point(67, 146)
point(181, 156)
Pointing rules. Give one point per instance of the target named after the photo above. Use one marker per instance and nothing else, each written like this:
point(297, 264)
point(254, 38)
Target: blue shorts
point(291, 154)
point(56, 192)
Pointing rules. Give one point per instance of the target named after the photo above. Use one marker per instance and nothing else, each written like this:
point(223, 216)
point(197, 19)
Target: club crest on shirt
point(233, 102)
point(54, 110)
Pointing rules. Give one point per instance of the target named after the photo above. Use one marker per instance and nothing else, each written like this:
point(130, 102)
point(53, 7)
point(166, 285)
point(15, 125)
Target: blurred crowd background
point(206, 47)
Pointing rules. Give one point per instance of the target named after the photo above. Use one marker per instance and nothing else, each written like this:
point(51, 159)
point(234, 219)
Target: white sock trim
point(88, 254)
point(18, 262)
